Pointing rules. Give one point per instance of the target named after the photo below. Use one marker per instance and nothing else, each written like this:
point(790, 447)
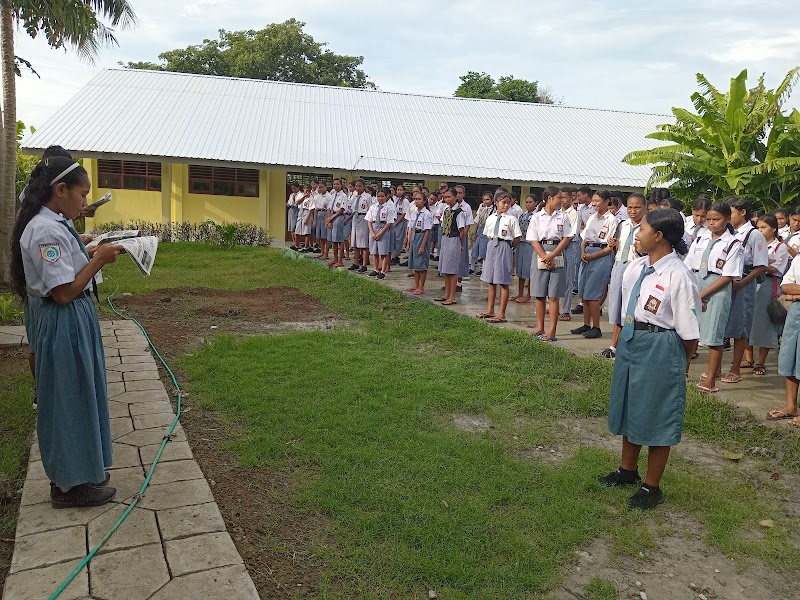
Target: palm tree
point(74, 24)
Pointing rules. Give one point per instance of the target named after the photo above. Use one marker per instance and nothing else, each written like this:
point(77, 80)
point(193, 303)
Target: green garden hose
point(146, 484)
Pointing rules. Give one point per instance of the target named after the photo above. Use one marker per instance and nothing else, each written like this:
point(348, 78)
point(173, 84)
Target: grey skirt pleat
point(763, 333)
point(523, 259)
point(498, 264)
point(361, 237)
point(740, 318)
point(450, 253)
point(595, 276)
point(417, 262)
point(715, 316)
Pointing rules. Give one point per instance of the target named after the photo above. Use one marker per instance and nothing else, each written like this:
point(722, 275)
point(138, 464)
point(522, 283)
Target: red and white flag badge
point(50, 252)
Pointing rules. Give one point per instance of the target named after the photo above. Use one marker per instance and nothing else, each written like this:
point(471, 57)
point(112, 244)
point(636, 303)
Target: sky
point(611, 54)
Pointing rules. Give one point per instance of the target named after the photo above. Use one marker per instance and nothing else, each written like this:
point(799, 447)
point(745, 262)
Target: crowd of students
point(672, 282)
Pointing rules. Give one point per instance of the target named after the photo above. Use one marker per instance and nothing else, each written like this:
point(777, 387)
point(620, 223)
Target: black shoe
point(373, 274)
point(619, 479)
point(593, 333)
point(578, 310)
point(292, 247)
point(646, 498)
point(726, 343)
point(580, 330)
point(380, 275)
point(353, 267)
point(86, 494)
point(362, 270)
point(459, 288)
point(608, 353)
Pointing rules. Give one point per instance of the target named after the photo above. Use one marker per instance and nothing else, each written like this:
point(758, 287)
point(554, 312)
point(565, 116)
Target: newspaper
point(113, 236)
point(142, 250)
point(95, 205)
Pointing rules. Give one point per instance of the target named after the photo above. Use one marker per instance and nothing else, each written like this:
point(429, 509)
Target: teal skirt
point(789, 356)
point(72, 418)
point(648, 389)
point(714, 318)
point(31, 316)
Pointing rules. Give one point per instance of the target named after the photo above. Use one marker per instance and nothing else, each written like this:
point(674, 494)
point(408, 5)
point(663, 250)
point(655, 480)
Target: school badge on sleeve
point(50, 252)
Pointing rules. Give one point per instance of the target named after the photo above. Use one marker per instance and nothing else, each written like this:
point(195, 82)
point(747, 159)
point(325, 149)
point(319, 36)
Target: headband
point(69, 169)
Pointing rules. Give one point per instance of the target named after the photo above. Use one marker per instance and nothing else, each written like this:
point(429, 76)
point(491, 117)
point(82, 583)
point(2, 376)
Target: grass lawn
point(363, 414)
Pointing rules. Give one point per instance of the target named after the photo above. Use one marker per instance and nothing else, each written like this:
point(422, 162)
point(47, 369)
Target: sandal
point(418, 292)
point(731, 378)
point(496, 320)
point(565, 317)
point(795, 422)
point(449, 302)
point(439, 299)
point(707, 390)
point(759, 369)
point(747, 364)
point(485, 315)
point(779, 415)
point(704, 374)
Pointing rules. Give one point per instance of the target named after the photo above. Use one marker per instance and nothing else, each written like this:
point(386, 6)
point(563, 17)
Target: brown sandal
point(759, 369)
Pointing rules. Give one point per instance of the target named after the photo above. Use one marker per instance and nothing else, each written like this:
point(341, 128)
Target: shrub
point(223, 234)
point(10, 309)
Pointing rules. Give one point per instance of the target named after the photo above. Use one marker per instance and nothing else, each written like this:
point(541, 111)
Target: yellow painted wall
point(275, 188)
point(126, 205)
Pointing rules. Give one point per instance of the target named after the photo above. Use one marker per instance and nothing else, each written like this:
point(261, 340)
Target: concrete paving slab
point(141, 374)
point(128, 368)
point(172, 451)
point(142, 346)
point(42, 517)
point(41, 583)
point(35, 452)
point(133, 397)
point(201, 552)
point(186, 521)
point(13, 329)
point(36, 491)
point(138, 529)
point(227, 583)
point(10, 340)
point(115, 389)
point(148, 437)
point(143, 385)
point(137, 358)
point(109, 352)
point(36, 470)
point(129, 338)
point(124, 456)
point(153, 421)
point(113, 377)
point(150, 408)
point(117, 410)
point(134, 351)
point(127, 481)
point(49, 548)
point(179, 493)
point(113, 361)
point(120, 426)
point(178, 470)
point(146, 572)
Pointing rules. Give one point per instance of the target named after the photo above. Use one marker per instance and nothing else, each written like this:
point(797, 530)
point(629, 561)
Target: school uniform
point(622, 214)
point(691, 231)
point(72, 422)
point(572, 255)
point(501, 230)
point(792, 241)
point(584, 212)
point(479, 245)
point(348, 214)
point(463, 270)
point(548, 230)
point(515, 210)
point(361, 204)
point(523, 254)
point(338, 202)
point(322, 203)
point(648, 386)
point(380, 215)
point(419, 224)
point(306, 208)
point(789, 356)
point(784, 232)
point(754, 254)
point(711, 259)
point(622, 258)
point(400, 225)
point(292, 210)
point(452, 247)
point(438, 211)
point(596, 274)
point(764, 333)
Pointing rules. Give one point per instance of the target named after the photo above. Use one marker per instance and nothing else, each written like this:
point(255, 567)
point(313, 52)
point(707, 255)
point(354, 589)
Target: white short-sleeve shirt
point(544, 226)
point(627, 229)
point(724, 259)
point(339, 201)
point(572, 215)
point(599, 228)
point(381, 213)
point(506, 227)
point(778, 256)
point(516, 210)
point(401, 206)
point(755, 251)
point(467, 210)
point(438, 210)
point(792, 276)
point(363, 203)
point(584, 212)
point(51, 256)
point(421, 220)
point(668, 297)
point(461, 217)
point(322, 201)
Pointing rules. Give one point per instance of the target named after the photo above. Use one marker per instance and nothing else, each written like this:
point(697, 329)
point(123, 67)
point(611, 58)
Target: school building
point(175, 147)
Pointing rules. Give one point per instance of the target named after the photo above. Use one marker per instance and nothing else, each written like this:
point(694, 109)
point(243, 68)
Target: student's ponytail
point(37, 194)
point(671, 225)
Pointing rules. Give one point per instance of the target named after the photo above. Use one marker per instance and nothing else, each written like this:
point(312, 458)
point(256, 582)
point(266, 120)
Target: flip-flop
point(546, 338)
point(440, 299)
point(778, 415)
point(707, 390)
point(484, 316)
point(794, 422)
point(418, 293)
point(449, 302)
point(746, 364)
point(564, 317)
point(518, 301)
point(496, 320)
point(759, 369)
point(731, 378)
point(409, 289)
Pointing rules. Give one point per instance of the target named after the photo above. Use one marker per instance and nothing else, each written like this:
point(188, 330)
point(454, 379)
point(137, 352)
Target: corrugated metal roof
point(195, 117)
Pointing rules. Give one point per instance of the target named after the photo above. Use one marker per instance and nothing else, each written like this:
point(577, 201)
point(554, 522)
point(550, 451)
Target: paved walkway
point(173, 545)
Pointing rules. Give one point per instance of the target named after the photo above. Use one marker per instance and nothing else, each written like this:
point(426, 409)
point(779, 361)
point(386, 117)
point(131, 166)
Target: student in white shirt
point(314, 242)
point(304, 215)
point(380, 218)
point(660, 333)
point(419, 235)
point(335, 223)
point(696, 222)
point(362, 201)
point(479, 239)
point(400, 227)
point(291, 214)
point(454, 242)
point(571, 253)
point(322, 204)
point(756, 261)
point(437, 210)
point(782, 215)
point(789, 355)
point(504, 235)
point(463, 270)
point(524, 254)
point(585, 208)
point(515, 210)
point(716, 260)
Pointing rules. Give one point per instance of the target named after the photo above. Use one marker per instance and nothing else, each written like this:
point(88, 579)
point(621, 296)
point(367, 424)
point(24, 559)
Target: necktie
point(626, 249)
point(497, 227)
point(77, 236)
point(704, 261)
point(627, 329)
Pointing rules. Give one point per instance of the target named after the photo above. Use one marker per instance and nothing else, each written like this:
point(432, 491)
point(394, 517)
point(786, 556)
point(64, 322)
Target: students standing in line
point(335, 223)
point(504, 235)
point(549, 234)
point(648, 387)
point(291, 213)
point(764, 334)
point(479, 239)
point(380, 218)
point(756, 261)
point(50, 261)
point(716, 260)
point(419, 235)
point(453, 245)
point(625, 253)
point(792, 240)
point(571, 252)
point(362, 202)
point(523, 255)
point(597, 261)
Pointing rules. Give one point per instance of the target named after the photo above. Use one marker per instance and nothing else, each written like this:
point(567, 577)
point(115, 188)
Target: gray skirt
point(361, 236)
point(321, 231)
point(31, 309)
point(715, 316)
point(399, 229)
point(764, 333)
point(615, 307)
point(382, 246)
point(347, 228)
point(291, 218)
point(740, 318)
point(450, 253)
point(72, 421)
point(648, 389)
point(337, 232)
point(547, 284)
point(789, 356)
point(479, 247)
point(595, 276)
point(523, 257)
point(463, 266)
point(417, 262)
point(498, 264)
point(303, 229)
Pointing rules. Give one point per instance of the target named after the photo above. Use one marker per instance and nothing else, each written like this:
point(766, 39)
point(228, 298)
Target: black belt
point(49, 299)
point(501, 240)
point(595, 245)
point(347, 214)
point(556, 242)
point(639, 326)
point(361, 214)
